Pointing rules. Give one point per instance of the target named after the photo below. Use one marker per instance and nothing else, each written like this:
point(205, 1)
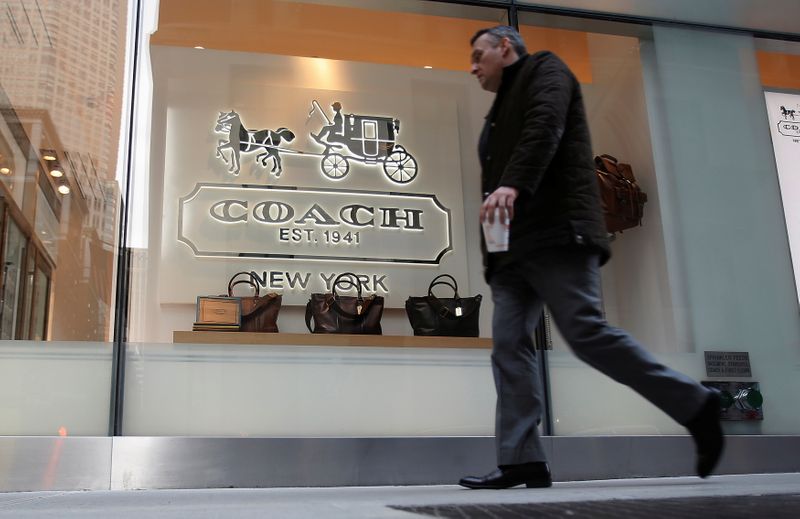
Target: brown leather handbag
point(622, 198)
point(259, 314)
point(333, 313)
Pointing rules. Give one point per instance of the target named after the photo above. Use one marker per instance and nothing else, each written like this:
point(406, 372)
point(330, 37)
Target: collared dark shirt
point(509, 74)
point(536, 139)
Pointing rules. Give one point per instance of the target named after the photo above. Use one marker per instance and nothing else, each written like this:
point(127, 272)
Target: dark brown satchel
point(259, 314)
point(444, 316)
point(622, 198)
point(333, 313)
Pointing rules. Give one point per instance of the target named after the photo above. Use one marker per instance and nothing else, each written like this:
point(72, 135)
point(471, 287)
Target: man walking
point(538, 171)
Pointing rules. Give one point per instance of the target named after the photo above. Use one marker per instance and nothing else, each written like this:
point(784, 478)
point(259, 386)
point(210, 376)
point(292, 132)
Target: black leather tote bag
point(444, 316)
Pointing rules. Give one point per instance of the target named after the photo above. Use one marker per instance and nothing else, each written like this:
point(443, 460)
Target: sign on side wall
point(784, 122)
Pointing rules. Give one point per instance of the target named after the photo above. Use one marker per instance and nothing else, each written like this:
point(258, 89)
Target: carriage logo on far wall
point(242, 140)
point(345, 139)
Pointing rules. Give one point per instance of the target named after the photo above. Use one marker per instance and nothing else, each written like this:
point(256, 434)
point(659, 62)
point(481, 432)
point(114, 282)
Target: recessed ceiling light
point(47, 156)
point(56, 173)
point(428, 66)
point(199, 47)
point(5, 171)
point(63, 189)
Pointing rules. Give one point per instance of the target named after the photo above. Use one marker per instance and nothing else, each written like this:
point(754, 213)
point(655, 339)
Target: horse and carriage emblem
point(347, 138)
point(788, 113)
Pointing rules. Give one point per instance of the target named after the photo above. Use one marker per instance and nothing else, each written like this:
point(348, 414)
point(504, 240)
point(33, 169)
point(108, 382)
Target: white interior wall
point(637, 295)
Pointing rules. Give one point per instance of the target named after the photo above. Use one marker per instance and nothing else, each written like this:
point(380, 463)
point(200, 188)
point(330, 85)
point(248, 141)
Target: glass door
point(13, 257)
point(41, 298)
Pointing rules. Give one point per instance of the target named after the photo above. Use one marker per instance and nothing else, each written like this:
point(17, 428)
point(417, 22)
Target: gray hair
point(499, 32)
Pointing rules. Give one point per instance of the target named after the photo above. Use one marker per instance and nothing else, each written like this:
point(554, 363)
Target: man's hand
point(503, 197)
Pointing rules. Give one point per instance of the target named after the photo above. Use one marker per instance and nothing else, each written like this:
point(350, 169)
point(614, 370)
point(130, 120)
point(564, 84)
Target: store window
point(296, 141)
point(708, 271)
point(58, 264)
point(250, 139)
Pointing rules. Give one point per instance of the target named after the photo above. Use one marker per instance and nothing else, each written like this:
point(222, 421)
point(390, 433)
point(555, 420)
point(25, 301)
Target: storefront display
point(279, 187)
point(318, 159)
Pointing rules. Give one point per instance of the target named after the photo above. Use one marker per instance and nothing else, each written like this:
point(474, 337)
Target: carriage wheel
point(400, 166)
point(335, 166)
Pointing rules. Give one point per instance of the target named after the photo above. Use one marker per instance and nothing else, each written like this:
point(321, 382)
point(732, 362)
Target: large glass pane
point(61, 104)
point(359, 112)
point(709, 268)
point(54, 388)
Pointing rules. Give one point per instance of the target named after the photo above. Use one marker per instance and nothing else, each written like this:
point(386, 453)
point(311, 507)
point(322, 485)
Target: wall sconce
point(63, 189)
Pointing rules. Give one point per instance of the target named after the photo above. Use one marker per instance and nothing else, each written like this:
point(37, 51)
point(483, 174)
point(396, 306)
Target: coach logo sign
point(789, 128)
point(322, 224)
point(343, 140)
point(789, 125)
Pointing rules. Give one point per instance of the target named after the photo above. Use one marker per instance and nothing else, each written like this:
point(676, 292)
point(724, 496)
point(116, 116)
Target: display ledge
point(329, 339)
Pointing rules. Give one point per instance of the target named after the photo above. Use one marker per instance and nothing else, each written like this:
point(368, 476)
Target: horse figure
point(788, 113)
point(240, 139)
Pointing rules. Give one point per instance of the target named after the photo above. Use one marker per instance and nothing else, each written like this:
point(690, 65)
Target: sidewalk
point(764, 495)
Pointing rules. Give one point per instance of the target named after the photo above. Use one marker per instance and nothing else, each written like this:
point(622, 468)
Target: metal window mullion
point(123, 252)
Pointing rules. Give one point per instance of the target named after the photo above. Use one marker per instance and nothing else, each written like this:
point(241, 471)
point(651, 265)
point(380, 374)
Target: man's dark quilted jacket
point(536, 139)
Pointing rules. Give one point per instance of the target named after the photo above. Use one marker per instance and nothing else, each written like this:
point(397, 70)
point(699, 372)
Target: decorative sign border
point(239, 254)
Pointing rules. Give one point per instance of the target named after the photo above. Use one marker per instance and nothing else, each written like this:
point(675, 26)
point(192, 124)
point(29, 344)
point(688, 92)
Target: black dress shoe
point(532, 475)
point(707, 433)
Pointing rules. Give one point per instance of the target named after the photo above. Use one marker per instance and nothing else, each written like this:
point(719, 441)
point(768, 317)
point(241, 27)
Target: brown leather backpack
point(622, 198)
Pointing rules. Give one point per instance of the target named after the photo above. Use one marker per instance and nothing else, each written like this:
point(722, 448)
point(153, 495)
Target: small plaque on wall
point(727, 364)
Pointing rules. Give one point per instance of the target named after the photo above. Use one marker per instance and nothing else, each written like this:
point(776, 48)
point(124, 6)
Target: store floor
point(745, 496)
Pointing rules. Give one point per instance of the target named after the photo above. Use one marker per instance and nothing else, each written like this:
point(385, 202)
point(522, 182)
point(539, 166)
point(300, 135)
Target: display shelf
point(329, 339)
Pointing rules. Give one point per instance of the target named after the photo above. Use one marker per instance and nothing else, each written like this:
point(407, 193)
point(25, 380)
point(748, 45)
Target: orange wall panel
point(779, 70)
point(570, 46)
point(344, 33)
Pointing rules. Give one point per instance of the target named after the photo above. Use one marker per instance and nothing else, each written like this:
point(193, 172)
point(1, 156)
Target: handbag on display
point(622, 198)
point(444, 316)
point(259, 313)
point(334, 313)
point(217, 314)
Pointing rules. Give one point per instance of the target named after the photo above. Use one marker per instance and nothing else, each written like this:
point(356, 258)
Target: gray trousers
point(568, 281)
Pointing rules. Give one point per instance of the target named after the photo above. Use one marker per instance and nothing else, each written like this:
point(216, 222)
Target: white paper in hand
point(496, 233)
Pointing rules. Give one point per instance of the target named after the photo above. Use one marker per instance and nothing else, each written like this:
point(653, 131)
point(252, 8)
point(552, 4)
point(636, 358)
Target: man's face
point(488, 59)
